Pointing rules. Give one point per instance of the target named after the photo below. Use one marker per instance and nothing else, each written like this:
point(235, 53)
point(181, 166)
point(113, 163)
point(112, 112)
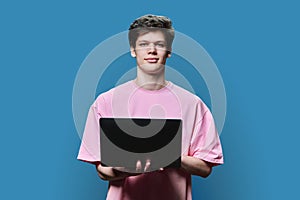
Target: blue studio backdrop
point(255, 45)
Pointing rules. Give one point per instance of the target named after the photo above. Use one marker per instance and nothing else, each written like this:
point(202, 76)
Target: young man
point(151, 96)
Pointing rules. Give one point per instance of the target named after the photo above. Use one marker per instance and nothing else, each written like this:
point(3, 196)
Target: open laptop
point(124, 141)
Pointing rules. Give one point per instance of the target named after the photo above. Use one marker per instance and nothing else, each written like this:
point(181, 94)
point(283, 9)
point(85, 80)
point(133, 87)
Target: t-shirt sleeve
point(90, 145)
point(205, 143)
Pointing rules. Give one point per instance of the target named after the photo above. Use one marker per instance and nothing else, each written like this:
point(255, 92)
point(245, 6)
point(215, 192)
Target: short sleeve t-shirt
point(199, 137)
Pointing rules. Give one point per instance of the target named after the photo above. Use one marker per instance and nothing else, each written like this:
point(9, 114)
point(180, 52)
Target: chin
point(154, 71)
point(153, 67)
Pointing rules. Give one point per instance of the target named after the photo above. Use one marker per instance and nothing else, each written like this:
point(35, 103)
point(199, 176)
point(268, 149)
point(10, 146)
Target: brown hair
point(149, 23)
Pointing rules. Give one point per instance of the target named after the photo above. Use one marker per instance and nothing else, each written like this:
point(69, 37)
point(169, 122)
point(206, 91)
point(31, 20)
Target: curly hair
point(149, 23)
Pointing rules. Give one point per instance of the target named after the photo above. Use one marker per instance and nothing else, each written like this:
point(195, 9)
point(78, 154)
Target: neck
point(151, 82)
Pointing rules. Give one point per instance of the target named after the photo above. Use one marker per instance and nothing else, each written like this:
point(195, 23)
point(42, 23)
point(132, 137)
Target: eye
point(160, 45)
point(144, 44)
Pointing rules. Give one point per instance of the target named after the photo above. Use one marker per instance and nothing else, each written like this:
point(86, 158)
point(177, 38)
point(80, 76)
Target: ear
point(132, 52)
point(169, 53)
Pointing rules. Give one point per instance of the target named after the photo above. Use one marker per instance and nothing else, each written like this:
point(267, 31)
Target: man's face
point(151, 52)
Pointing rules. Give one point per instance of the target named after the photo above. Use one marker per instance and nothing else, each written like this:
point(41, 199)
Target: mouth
point(151, 60)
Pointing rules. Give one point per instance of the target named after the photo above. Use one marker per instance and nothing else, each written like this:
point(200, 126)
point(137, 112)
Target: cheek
point(140, 55)
point(164, 56)
point(139, 59)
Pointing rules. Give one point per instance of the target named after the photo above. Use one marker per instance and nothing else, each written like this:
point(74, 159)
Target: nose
point(152, 48)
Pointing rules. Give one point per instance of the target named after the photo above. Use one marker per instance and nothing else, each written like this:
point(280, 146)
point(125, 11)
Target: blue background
point(255, 45)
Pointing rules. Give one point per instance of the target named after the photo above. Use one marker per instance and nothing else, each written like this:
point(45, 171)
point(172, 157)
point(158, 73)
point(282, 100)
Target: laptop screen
point(124, 141)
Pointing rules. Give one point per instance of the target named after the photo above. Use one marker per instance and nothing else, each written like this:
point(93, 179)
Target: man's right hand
point(115, 173)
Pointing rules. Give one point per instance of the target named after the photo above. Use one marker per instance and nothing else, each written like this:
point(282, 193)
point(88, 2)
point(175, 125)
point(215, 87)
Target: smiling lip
point(151, 60)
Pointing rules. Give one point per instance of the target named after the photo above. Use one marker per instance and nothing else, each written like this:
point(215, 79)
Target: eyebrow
point(149, 41)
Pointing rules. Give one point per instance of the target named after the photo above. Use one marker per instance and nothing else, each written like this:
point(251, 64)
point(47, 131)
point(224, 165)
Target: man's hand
point(117, 173)
point(111, 174)
point(139, 167)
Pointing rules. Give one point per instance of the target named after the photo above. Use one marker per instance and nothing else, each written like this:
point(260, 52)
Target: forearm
point(196, 166)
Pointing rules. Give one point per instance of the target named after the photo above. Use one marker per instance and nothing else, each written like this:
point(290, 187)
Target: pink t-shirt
point(199, 137)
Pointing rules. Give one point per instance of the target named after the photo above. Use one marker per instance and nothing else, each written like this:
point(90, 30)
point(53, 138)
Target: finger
point(122, 169)
point(147, 165)
point(138, 166)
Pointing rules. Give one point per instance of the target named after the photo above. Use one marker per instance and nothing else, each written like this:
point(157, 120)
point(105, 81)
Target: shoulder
point(119, 89)
point(185, 95)
point(189, 101)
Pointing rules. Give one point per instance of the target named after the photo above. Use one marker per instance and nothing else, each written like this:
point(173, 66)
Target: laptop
point(124, 141)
